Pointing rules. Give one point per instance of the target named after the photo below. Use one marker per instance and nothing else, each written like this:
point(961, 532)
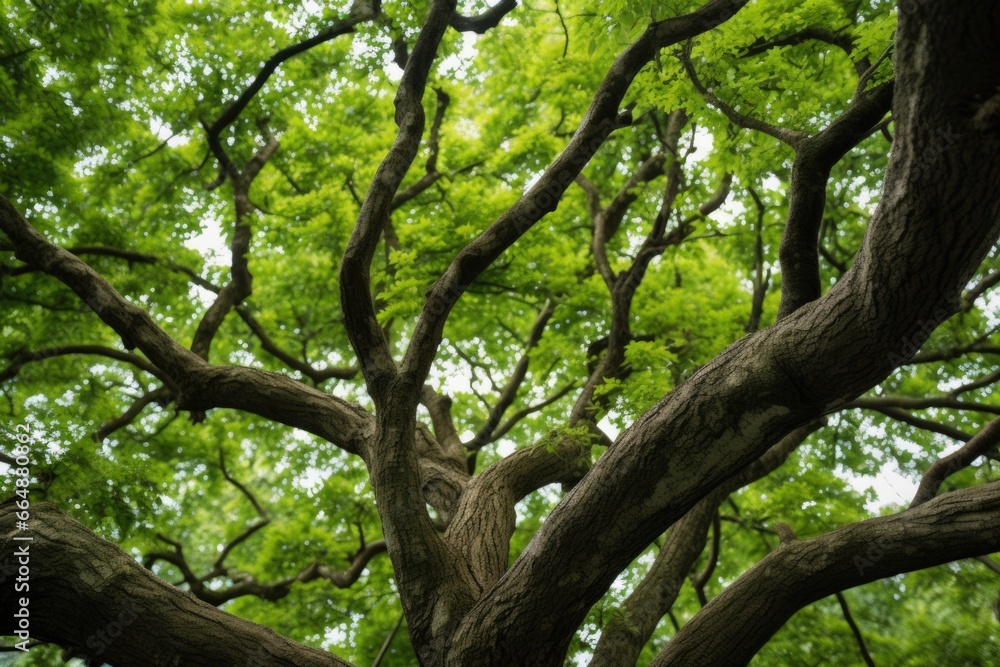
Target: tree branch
point(622, 639)
point(21, 358)
point(489, 19)
point(855, 630)
point(812, 362)
point(834, 38)
point(978, 445)
point(367, 337)
point(815, 157)
point(159, 395)
point(66, 558)
point(361, 11)
point(601, 119)
point(240, 285)
point(919, 422)
point(784, 135)
point(743, 617)
point(949, 402)
point(509, 394)
point(200, 386)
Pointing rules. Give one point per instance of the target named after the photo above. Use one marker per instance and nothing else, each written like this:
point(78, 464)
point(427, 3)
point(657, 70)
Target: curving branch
point(631, 627)
point(160, 395)
point(317, 375)
point(240, 284)
point(901, 415)
point(949, 402)
point(815, 157)
point(949, 353)
point(439, 408)
point(361, 11)
point(433, 145)
point(743, 617)
point(200, 386)
point(978, 445)
point(366, 336)
point(145, 610)
point(508, 395)
point(980, 383)
point(808, 364)
point(243, 584)
point(489, 19)
point(837, 38)
point(622, 286)
point(855, 630)
point(988, 282)
point(784, 135)
point(485, 518)
point(701, 579)
point(518, 415)
point(23, 357)
point(761, 281)
point(603, 117)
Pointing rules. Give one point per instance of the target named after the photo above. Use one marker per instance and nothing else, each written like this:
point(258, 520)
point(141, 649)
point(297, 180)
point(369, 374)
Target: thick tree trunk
point(938, 218)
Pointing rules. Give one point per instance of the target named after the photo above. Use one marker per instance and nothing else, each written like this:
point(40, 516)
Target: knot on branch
point(785, 533)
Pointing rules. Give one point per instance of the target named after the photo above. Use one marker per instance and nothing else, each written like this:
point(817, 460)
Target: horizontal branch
point(21, 358)
point(919, 422)
point(489, 19)
point(737, 623)
point(200, 386)
point(132, 617)
point(922, 403)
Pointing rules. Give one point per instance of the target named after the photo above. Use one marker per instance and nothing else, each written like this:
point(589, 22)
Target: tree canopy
point(604, 333)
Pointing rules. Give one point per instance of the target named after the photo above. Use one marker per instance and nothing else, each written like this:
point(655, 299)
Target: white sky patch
point(891, 486)
point(210, 242)
point(456, 64)
point(164, 132)
point(704, 146)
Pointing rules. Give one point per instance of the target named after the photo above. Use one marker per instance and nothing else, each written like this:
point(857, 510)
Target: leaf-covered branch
point(603, 116)
point(200, 386)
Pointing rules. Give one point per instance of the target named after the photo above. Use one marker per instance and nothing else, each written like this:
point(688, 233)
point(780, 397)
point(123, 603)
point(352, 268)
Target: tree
point(538, 323)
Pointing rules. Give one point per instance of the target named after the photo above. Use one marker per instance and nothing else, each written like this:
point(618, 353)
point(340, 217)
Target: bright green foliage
point(101, 145)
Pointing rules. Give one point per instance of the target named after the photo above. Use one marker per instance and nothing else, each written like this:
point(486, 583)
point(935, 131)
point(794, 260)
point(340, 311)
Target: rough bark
point(88, 595)
point(939, 216)
point(622, 640)
point(737, 623)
